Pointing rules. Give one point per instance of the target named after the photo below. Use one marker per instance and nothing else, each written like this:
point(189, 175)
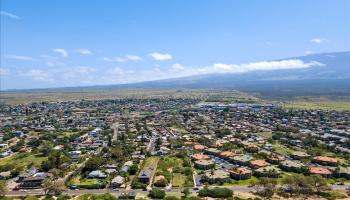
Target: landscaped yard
point(242, 182)
point(23, 159)
point(86, 182)
point(173, 194)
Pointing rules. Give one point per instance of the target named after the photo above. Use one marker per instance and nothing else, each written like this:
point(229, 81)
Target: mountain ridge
point(333, 75)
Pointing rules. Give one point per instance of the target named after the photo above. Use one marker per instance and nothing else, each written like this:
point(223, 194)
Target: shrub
point(215, 193)
point(64, 197)
point(157, 194)
point(138, 185)
point(133, 169)
point(171, 198)
point(31, 198)
point(192, 198)
point(161, 182)
point(104, 197)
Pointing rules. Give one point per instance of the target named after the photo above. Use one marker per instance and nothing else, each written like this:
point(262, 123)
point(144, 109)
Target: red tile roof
point(320, 170)
point(199, 156)
point(326, 159)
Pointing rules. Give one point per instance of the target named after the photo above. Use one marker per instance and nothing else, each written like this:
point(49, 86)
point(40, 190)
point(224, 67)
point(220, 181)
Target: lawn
point(151, 162)
point(23, 159)
point(85, 182)
point(173, 194)
point(242, 182)
point(281, 149)
point(265, 135)
point(69, 133)
point(181, 130)
point(169, 162)
point(178, 180)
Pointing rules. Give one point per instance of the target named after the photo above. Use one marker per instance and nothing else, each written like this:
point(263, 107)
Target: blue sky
point(63, 43)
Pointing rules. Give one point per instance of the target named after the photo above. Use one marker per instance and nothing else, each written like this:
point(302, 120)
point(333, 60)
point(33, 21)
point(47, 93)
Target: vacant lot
point(173, 169)
point(178, 180)
point(323, 105)
point(23, 160)
point(151, 162)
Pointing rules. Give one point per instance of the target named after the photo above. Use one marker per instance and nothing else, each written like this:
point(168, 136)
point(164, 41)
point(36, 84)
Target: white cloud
point(84, 51)
point(63, 52)
point(265, 65)
point(133, 57)
point(54, 63)
point(224, 67)
point(24, 58)
point(79, 74)
point(178, 67)
point(160, 56)
point(308, 52)
point(4, 71)
point(37, 74)
point(126, 58)
point(114, 59)
point(119, 75)
point(8, 14)
point(318, 40)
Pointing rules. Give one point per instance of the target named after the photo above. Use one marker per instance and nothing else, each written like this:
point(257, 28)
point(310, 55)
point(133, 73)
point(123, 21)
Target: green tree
point(46, 148)
point(133, 169)
point(118, 154)
point(157, 194)
point(318, 183)
point(31, 198)
point(161, 182)
point(93, 163)
point(186, 192)
point(53, 187)
point(3, 188)
point(106, 196)
point(171, 198)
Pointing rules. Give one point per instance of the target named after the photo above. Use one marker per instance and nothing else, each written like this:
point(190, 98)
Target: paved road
point(115, 131)
point(119, 192)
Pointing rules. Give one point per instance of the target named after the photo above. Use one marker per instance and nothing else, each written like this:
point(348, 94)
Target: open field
point(178, 180)
point(23, 160)
point(58, 95)
point(151, 162)
point(323, 105)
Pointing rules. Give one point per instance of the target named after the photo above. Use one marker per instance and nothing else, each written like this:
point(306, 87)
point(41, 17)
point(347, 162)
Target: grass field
point(181, 130)
point(58, 95)
point(242, 182)
point(23, 159)
point(322, 105)
point(178, 180)
point(265, 135)
point(281, 149)
point(79, 181)
point(151, 162)
point(173, 194)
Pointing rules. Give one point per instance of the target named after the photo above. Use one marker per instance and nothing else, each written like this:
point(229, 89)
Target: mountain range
point(329, 76)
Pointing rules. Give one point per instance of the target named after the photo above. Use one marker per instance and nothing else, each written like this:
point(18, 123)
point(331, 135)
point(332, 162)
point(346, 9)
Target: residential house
point(204, 164)
point(146, 175)
point(241, 173)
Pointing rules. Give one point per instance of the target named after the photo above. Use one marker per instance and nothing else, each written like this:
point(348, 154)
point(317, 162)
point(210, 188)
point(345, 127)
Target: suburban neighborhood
point(172, 148)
